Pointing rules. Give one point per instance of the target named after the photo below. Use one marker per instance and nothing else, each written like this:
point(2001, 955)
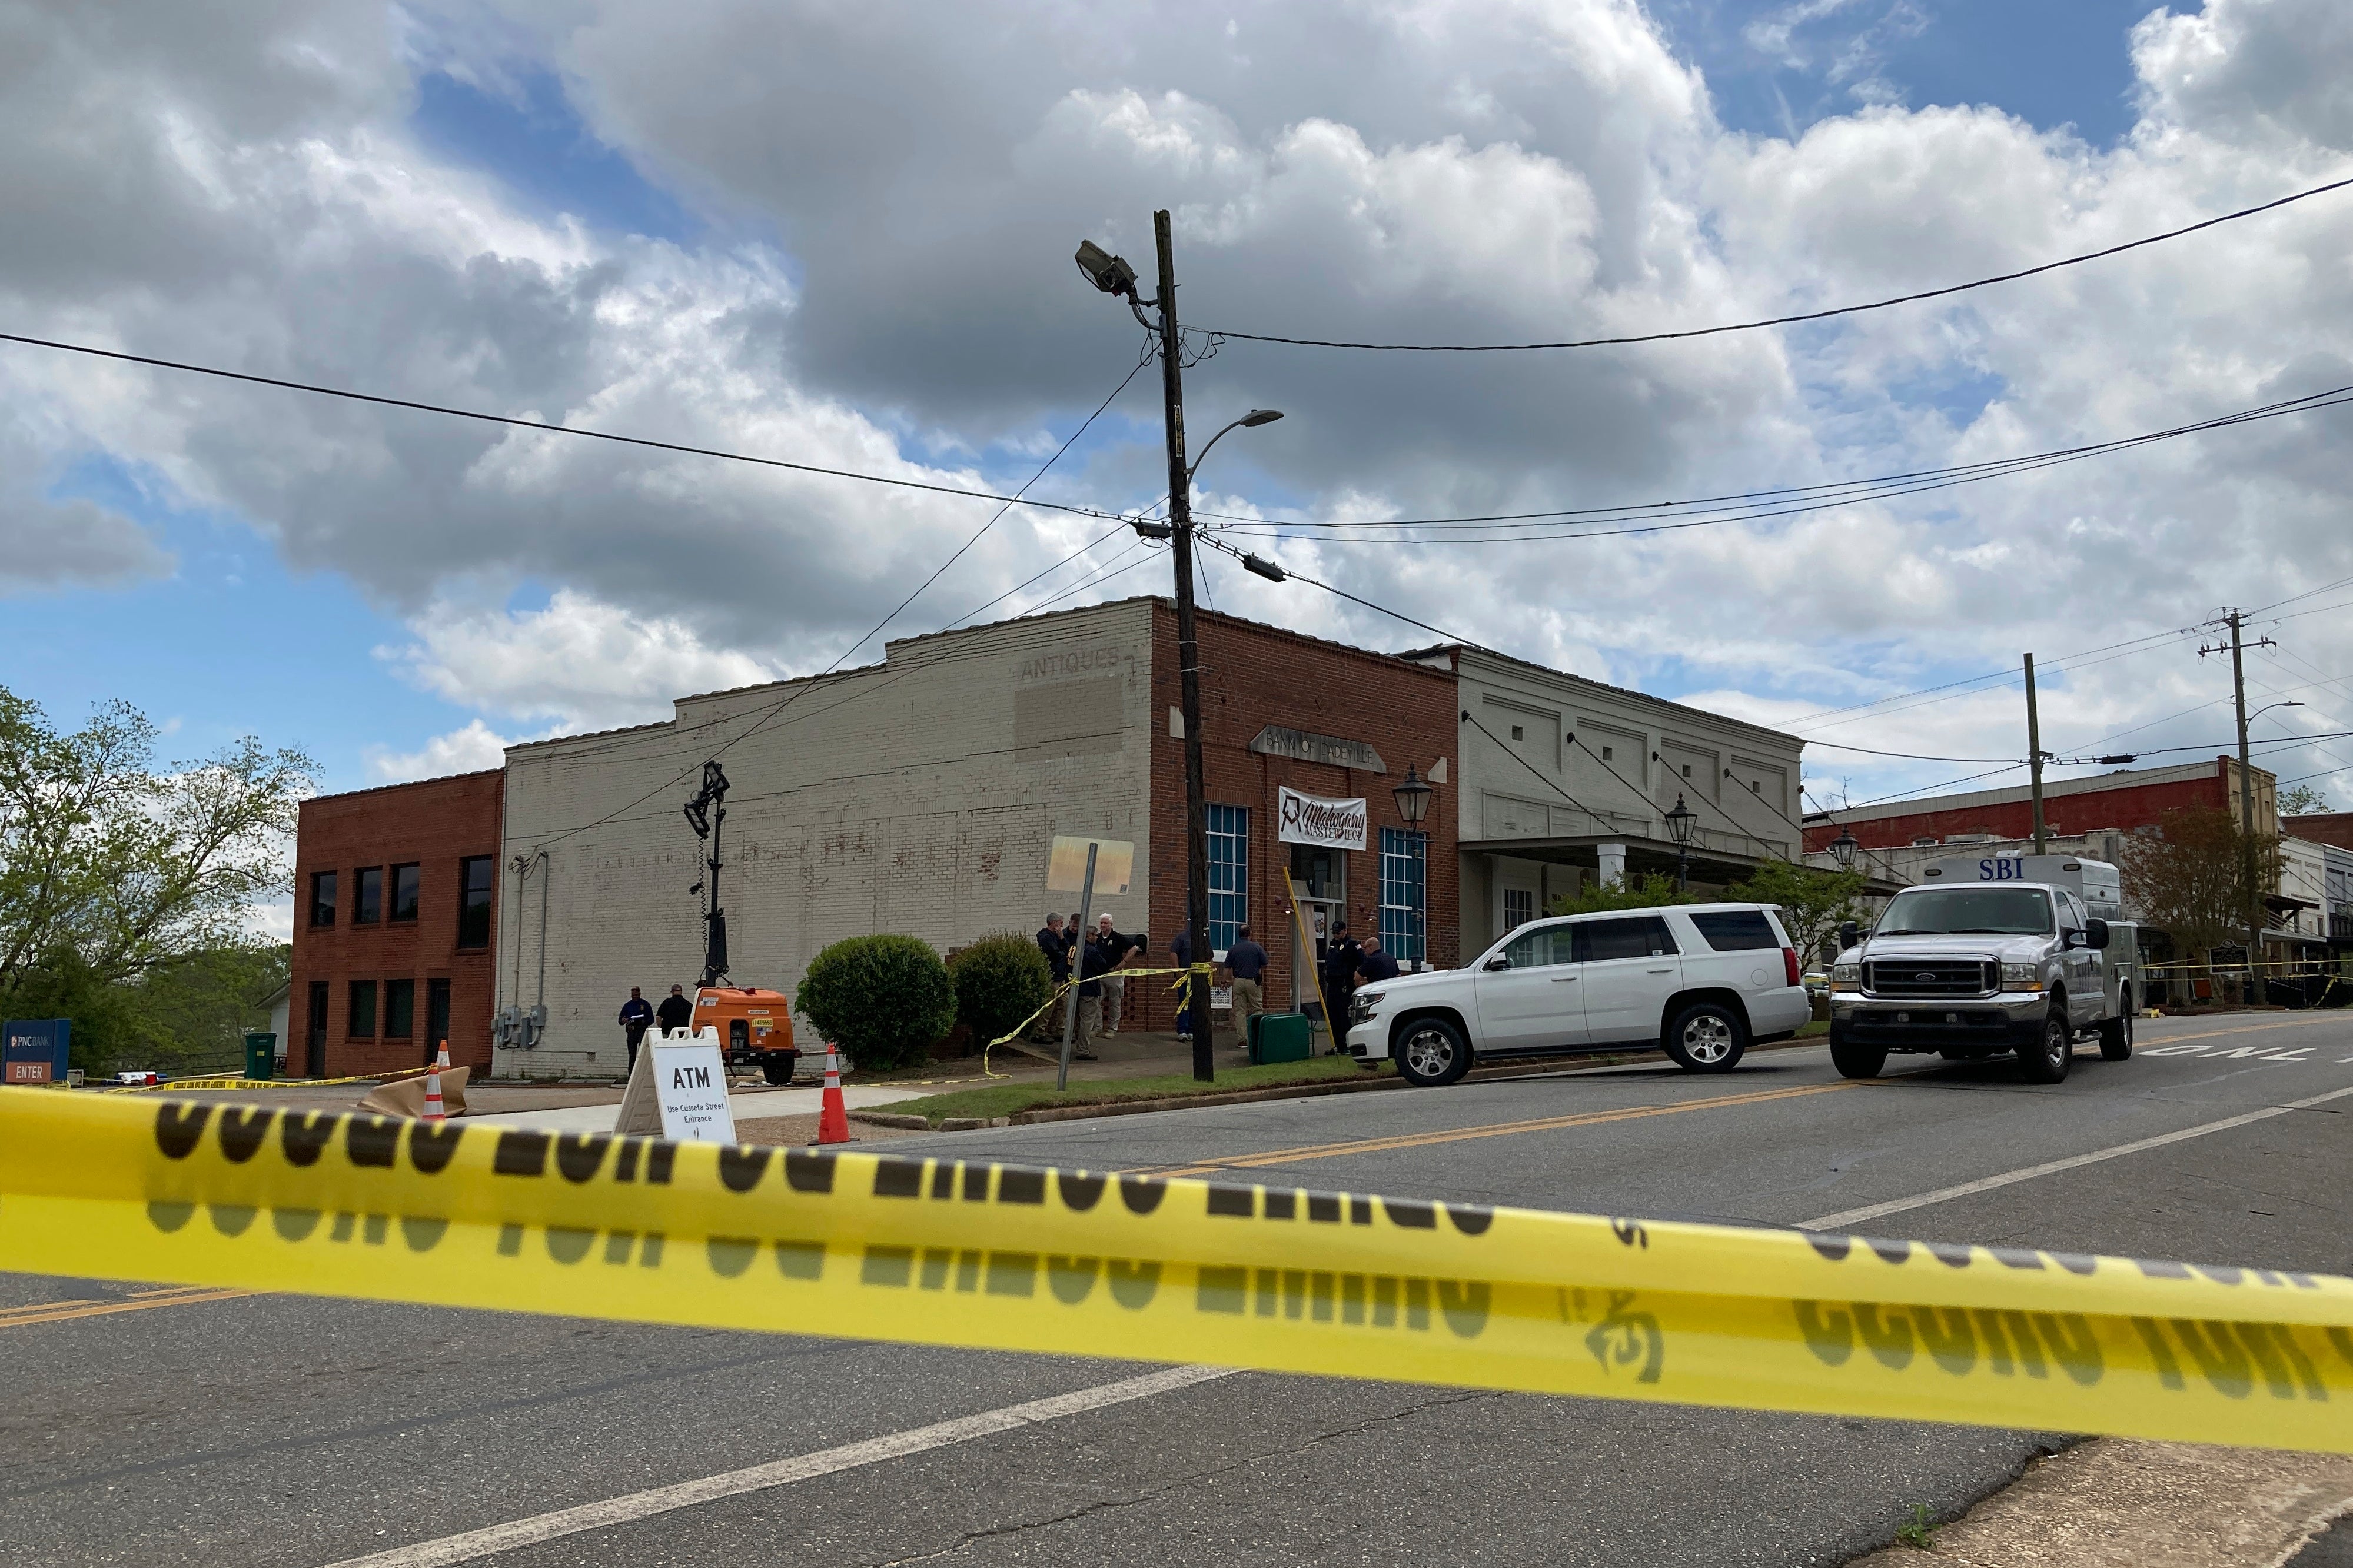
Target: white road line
point(1943, 1194)
point(477, 1543)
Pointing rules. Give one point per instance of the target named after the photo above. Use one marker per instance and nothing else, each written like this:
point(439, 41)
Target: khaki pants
point(1090, 1023)
point(1114, 995)
point(1248, 997)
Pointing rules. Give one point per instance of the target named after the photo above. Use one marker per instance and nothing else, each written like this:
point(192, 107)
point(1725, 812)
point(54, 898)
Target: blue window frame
point(1229, 873)
point(1405, 893)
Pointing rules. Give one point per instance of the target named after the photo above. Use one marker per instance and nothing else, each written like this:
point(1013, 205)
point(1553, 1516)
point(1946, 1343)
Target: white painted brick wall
point(893, 799)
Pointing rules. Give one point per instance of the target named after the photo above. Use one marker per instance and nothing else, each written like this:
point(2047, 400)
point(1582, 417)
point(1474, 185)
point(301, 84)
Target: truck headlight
point(1846, 977)
point(1361, 1004)
point(2020, 977)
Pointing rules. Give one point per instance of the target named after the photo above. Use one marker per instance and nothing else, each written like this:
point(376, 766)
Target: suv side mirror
point(1500, 961)
point(1849, 935)
point(2095, 933)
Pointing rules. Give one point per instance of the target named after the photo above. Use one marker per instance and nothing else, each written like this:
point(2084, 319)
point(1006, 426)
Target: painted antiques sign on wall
point(1312, 819)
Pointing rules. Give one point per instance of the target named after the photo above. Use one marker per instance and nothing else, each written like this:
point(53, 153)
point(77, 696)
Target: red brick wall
point(1254, 675)
point(433, 823)
point(2327, 827)
point(2127, 806)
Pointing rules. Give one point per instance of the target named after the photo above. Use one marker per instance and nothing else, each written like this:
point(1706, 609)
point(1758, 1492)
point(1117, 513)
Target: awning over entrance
point(1712, 863)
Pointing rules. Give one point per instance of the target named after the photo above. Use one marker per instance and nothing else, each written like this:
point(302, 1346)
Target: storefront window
point(1405, 893)
point(1229, 873)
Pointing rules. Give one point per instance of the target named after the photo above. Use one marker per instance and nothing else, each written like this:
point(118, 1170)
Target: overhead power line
point(1799, 316)
point(1750, 506)
point(544, 428)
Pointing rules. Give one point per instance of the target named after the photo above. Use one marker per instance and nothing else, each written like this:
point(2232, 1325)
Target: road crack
point(1153, 1494)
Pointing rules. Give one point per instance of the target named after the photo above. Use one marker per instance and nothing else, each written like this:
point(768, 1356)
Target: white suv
point(1702, 982)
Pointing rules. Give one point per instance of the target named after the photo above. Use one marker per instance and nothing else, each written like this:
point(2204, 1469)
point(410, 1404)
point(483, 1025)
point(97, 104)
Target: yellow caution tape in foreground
point(1002, 1258)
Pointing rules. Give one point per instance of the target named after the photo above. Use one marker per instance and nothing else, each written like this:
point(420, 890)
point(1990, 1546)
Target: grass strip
point(1012, 1098)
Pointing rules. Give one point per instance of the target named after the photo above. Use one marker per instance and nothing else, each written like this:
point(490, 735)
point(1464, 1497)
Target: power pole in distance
point(2034, 755)
point(2236, 621)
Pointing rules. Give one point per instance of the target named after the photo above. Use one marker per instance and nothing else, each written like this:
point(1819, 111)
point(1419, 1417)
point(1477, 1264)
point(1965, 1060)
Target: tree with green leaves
point(1814, 902)
point(113, 869)
point(1643, 892)
point(2198, 876)
point(2302, 800)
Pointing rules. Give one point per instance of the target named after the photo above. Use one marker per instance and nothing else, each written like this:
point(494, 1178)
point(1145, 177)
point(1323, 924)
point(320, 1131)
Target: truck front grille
point(1929, 977)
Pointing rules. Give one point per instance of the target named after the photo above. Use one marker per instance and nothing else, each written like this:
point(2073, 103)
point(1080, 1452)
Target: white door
point(1535, 1001)
point(1630, 969)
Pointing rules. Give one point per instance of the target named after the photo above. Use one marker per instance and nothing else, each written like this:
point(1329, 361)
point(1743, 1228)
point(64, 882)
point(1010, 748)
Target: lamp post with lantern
point(1679, 828)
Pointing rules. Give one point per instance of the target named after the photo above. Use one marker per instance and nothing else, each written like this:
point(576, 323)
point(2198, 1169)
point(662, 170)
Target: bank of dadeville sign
point(1312, 819)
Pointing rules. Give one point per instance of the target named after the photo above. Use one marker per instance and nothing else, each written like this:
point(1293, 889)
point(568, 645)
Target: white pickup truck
point(1971, 970)
point(1702, 982)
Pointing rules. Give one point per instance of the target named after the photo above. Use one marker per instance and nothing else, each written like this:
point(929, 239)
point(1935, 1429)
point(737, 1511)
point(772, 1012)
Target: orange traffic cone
point(443, 1061)
point(433, 1111)
point(833, 1116)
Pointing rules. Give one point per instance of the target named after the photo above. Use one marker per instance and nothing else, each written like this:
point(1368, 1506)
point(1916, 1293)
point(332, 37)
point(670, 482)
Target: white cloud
point(469, 749)
point(248, 190)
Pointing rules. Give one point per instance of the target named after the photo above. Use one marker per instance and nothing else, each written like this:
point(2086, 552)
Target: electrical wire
point(543, 427)
point(1751, 506)
point(1801, 316)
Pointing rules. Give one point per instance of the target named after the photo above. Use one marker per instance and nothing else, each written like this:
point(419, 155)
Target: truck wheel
point(1431, 1054)
point(1854, 1061)
point(776, 1070)
point(2047, 1058)
point(2116, 1033)
point(1706, 1037)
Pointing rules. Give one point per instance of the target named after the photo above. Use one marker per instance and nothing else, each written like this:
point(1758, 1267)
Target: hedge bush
point(999, 980)
point(883, 999)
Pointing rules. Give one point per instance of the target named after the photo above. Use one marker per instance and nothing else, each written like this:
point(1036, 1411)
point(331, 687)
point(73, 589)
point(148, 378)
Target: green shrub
point(883, 999)
point(1001, 980)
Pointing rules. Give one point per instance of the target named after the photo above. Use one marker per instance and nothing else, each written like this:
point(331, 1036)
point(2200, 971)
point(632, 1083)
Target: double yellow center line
point(138, 1302)
point(1498, 1129)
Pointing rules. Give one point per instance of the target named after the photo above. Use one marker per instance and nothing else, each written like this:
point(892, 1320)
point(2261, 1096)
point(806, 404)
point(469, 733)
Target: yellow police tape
point(1061, 990)
point(936, 1251)
point(229, 1082)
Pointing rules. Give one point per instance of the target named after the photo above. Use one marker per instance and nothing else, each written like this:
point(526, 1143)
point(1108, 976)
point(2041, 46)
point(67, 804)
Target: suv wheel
point(2116, 1033)
point(2046, 1058)
point(1853, 1060)
point(1431, 1053)
point(1706, 1037)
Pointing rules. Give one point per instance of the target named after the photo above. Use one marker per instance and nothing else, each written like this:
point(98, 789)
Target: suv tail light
point(1789, 967)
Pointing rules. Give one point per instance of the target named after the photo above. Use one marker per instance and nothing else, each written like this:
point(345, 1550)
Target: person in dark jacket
point(637, 1017)
point(1056, 945)
point(1095, 959)
point(1341, 953)
point(1376, 965)
point(676, 1012)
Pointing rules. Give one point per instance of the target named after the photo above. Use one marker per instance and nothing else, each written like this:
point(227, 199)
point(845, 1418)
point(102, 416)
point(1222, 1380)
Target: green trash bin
point(1281, 1038)
point(261, 1053)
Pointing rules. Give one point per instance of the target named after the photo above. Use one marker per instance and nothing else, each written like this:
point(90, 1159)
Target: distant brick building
point(922, 795)
point(2321, 827)
point(2106, 803)
point(396, 918)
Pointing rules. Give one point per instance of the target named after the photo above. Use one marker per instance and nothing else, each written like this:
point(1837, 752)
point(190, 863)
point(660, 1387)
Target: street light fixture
point(1843, 850)
point(1413, 797)
point(1679, 828)
point(1113, 275)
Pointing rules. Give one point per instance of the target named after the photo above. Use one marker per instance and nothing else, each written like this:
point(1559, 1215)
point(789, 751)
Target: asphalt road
point(194, 1428)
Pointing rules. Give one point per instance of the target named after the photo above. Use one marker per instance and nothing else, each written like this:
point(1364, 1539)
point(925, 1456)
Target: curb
point(1540, 1068)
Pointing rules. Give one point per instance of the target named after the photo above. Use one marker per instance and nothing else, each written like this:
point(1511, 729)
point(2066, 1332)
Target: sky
point(843, 236)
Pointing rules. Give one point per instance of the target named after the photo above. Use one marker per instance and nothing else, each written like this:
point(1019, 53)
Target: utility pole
point(1188, 655)
point(707, 814)
point(2236, 621)
point(2034, 755)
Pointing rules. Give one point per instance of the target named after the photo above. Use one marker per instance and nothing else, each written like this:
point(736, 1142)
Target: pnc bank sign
point(1313, 819)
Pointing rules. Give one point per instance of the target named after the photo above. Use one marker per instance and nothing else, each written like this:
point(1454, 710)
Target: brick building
point(922, 795)
point(2110, 803)
point(396, 893)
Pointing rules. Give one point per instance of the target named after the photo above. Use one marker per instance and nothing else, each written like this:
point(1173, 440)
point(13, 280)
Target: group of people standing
point(638, 1016)
point(1102, 993)
point(1346, 964)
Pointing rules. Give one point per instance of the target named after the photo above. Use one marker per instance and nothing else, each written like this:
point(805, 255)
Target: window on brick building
point(322, 898)
point(1405, 893)
point(361, 1025)
point(474, 874)
point(367, 907)
point(1229, 873)
point(406, 882)
point(399, 1010)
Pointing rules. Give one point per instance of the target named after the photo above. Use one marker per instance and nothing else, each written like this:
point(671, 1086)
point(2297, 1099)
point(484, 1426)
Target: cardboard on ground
point(1067, 872)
